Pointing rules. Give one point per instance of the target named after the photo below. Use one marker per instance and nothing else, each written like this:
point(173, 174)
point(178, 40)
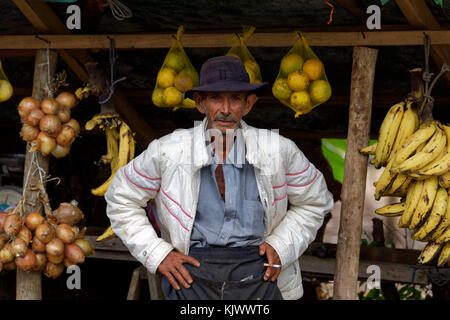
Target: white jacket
point(293, 193)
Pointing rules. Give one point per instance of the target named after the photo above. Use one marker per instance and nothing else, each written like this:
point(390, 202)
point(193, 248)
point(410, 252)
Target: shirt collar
point(235, 157)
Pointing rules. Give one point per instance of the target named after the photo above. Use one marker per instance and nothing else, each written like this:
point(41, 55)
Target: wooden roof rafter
point(44, 19)
point(419, 15)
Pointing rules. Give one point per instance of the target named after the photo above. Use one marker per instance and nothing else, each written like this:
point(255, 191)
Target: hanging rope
point(119, 10)
point(428, 99)
point(112, 62)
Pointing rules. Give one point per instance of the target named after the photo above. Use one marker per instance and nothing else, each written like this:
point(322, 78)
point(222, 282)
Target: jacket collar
point(254, 154)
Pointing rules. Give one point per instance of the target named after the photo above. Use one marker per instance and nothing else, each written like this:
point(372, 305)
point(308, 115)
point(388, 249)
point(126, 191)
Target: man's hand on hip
point(272, 273)
point(172, 268)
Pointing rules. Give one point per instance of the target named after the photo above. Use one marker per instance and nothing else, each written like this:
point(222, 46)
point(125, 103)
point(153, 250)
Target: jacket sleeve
point(132, 187)
point(309, 202)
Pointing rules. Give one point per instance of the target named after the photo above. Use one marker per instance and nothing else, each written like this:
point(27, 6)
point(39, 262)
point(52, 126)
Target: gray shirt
point(239, 220)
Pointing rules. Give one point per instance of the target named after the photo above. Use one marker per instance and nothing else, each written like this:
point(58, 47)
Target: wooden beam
point(355, 173)
point(219, 40)
point(45, 20)
point(419, 15)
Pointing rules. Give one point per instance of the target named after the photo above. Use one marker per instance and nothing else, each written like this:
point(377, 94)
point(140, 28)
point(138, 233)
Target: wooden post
point(28, 284)
point(355, 172)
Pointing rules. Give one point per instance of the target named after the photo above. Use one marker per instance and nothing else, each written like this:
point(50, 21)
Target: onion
point(68, 263)
point(60, 152)
point(33, 220)
point(1, 266)
point(85, 246)
point(38, 245)
point(41, 261)
point(19, 247)
point(76, 231)
point(44, 232)
point(67, 99)
point(25, 106)
point(50, 124)
point(53, 270)
point(27, 262)
point(6, 254)
point(66, 136)
point(74, 253)
point(64, 114)
point(55, 259)
point(50, 106)
point(55, 247)
point(12, 225)
point(45, 143)
point(68, 213)
point(75, 126)
point(29, 133)
point(3, 216)
point(3, 241)
point(9, 266)
point(25, 234)
point(34, 117)
point(65, 233)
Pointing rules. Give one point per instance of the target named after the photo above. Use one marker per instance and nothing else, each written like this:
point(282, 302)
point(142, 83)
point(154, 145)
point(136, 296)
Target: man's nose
point(226, 106)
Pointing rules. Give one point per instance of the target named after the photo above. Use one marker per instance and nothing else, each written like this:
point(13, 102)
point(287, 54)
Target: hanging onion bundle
point(52, 117)
point(45, 244)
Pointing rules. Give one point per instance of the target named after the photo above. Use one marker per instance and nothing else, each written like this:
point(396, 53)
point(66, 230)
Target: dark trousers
point(225, 274)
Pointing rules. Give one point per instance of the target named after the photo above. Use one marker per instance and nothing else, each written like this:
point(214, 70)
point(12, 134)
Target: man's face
point(224, 110)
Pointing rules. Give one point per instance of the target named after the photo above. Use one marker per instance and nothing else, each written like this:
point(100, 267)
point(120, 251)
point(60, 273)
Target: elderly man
point(236, 205)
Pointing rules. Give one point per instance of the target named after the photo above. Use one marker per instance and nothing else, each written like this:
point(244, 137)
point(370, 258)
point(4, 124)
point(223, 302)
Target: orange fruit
point(6, 90)
point(300, 100)
point(290, 63)
point(183, 82)
point(172, 96)
point(313, 68)
point(165, 77)
point(298, 81)
point(280, 89)
point(320, 91)
point(175, 60)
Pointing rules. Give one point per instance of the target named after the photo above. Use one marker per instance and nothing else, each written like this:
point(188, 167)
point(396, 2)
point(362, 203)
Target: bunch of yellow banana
point(416, 161)
point(120, 145)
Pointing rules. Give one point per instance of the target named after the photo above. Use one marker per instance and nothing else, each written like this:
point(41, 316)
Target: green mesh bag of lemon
point(176, 76)
point(6, 89)
point(301, 83)
point(240, 50)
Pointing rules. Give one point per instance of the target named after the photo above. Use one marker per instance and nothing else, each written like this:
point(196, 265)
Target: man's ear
point(198, 102)
point(251, 100)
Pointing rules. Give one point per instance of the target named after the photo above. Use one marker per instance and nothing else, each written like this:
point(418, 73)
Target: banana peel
point(107, 235)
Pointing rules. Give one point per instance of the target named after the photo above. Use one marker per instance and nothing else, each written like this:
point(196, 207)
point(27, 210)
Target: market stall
point(112, 67)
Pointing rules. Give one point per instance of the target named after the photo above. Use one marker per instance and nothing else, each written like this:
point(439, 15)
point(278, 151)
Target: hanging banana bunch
point(416, 161)
point(120, 145)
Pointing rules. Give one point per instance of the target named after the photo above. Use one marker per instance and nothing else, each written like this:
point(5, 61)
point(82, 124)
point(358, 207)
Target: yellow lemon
point(166, 77)
point(313, 68)
point(175, 60)
point(300, 100)
point(298, 81)
point(290, 63)
point(320, 91)
point(157, 97)
point(6, 90)
point(183, 82)
point(193, 73)
point(188, 103)
point(280, 89)
point(171, 96)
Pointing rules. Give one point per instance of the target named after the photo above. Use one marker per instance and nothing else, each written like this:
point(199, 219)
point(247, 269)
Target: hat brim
point(230, 86)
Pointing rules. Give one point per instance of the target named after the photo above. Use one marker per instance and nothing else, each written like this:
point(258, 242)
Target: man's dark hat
point(226, 73)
